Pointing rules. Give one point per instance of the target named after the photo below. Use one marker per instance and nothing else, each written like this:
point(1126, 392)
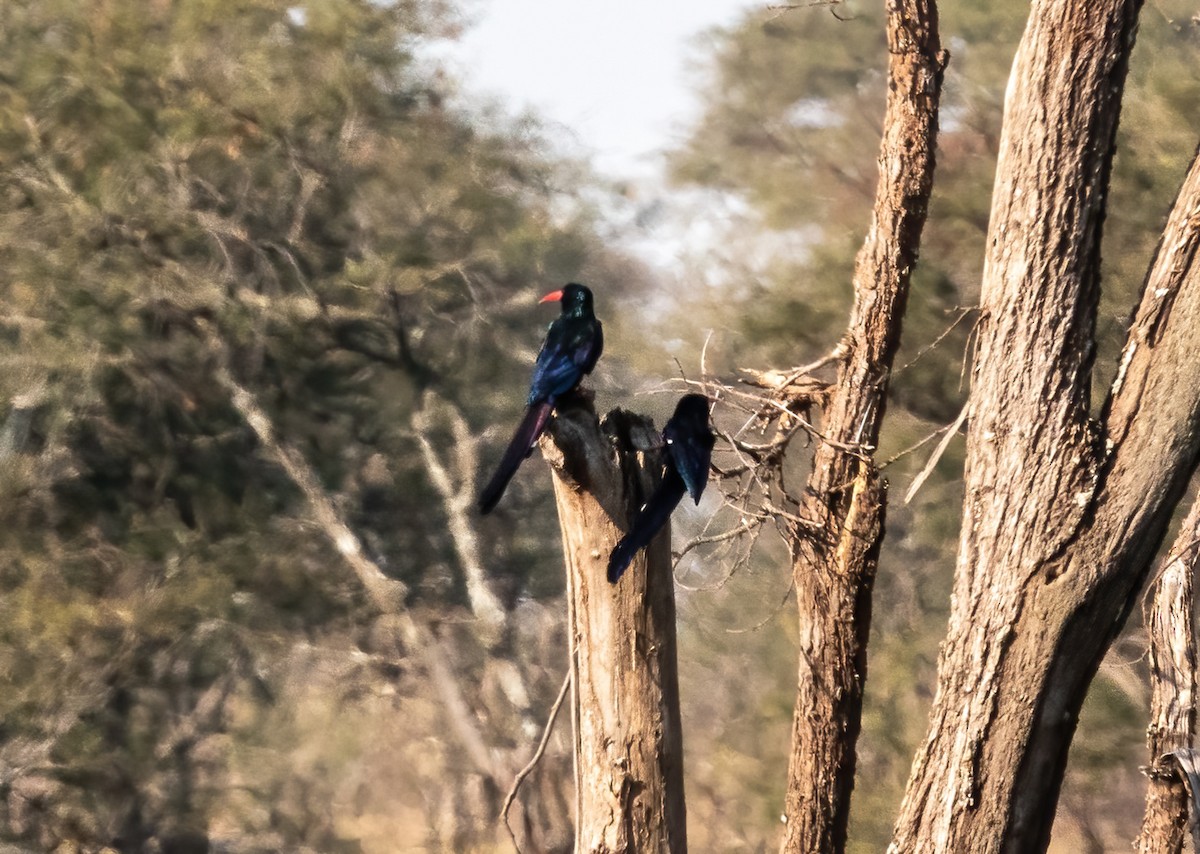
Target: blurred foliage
point(787, 146)
point(285, 188)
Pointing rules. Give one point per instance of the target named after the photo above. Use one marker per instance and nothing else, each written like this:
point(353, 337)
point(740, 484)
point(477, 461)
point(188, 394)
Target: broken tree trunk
point(625, 685)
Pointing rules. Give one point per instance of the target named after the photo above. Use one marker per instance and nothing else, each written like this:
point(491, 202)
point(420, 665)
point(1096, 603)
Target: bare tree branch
point(457, 499)
point(950, 432)
point(535, 759)
point(388, 593)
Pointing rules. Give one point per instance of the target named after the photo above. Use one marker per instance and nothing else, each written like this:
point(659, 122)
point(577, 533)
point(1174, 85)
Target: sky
point(613, 75)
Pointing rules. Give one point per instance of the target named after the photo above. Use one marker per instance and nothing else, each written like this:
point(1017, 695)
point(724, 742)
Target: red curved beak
point(553, 296)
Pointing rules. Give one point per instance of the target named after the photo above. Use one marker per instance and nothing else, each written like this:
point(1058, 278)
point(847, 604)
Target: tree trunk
point(1173, 692)
point(834, 570)
point(625, 684)
point(1062, 515)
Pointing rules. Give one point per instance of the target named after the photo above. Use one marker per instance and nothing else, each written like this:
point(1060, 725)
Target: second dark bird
point(689, 442)
point(573, 344)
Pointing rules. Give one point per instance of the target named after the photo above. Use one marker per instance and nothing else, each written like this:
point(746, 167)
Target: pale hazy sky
point(613, 73)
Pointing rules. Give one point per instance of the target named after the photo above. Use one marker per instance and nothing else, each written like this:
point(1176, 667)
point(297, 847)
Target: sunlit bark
point(1063, 513)
point(834, 569)
point(625, 692)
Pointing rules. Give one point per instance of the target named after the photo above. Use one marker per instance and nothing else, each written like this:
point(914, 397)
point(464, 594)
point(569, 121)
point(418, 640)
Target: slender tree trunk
point(625, 684)
point(834, 570)
point(1173, 691)
point(1062, 514)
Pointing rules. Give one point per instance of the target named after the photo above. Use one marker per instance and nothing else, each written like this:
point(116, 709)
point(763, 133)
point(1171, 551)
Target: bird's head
point(693, 407)
point(573, 296)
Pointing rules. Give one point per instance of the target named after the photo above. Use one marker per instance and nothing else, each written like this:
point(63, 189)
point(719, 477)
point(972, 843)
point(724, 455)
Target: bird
point(573, 344)
point(689, 442)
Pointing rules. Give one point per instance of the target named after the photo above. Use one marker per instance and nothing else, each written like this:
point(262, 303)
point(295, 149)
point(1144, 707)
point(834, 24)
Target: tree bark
point(834, 571)
point(1062, 514)
point(625, 684)
point(1173, 692)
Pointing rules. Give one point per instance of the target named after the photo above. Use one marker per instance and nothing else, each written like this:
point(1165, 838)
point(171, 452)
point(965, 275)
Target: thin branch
point(962, 312)
point(951, 432)
point(783, 8)
point(913, 448)
point(533, 762)
point(775, 380)
point(774, 613)
point(744, 528)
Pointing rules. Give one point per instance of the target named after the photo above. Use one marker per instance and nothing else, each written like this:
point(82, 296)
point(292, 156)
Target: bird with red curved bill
point(573, 343)
point(689, 442)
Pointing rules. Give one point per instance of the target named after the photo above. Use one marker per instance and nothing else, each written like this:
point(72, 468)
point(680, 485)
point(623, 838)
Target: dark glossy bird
point(689, 442)
point(573, 343)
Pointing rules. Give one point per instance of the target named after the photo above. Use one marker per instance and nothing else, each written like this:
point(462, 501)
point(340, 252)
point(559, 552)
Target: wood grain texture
point(1063, 514)
point(834, 570)
point(625, 697)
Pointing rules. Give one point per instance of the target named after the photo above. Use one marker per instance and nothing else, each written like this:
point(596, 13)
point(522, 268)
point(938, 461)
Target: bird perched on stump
point(573, 343)
point(689, 442)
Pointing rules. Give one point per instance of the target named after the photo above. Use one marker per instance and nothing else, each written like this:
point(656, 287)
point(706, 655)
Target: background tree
point(276, 198)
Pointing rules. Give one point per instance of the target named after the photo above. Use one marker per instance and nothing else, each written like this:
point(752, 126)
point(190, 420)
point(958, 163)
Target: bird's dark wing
point(573, 344)
point(527, 433)
point(648, 522)
point(592, 355)
point(689, 442)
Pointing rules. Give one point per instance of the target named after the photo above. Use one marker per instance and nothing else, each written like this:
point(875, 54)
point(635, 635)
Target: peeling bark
point(834, 570)
point(625, 694)
point(1172, 692)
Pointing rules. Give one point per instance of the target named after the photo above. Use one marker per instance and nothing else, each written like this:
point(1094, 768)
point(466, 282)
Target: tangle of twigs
point(757, 420)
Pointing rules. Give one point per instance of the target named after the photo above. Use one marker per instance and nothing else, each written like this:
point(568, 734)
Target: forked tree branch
point(457, 492)
point(387, 594)
point(1063, 514)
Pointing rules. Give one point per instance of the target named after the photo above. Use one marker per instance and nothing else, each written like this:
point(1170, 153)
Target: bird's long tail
point(528, 430)
point(646, 525)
